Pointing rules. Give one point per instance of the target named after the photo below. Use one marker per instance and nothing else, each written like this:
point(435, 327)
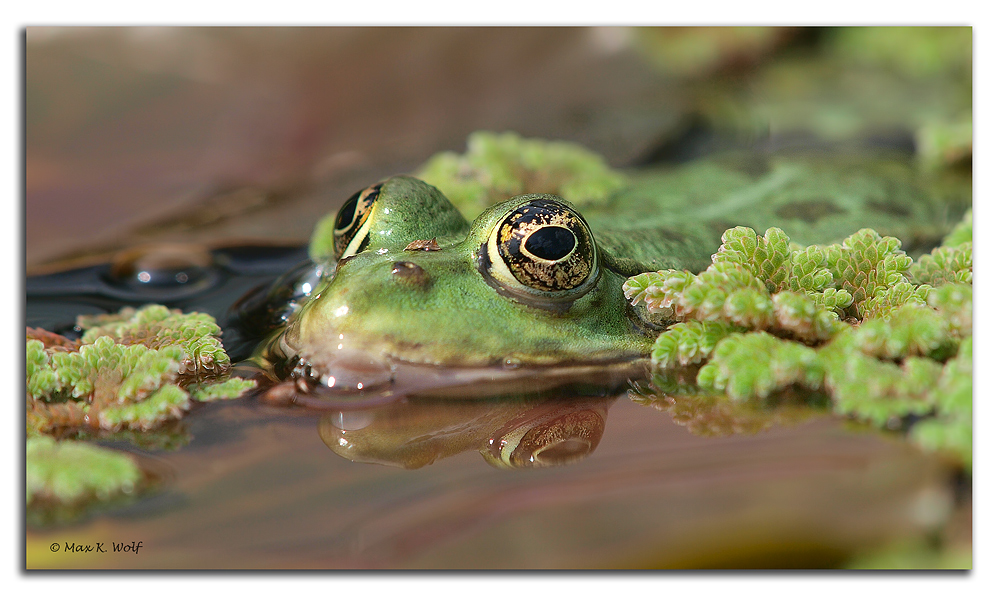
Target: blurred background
point(226, 135)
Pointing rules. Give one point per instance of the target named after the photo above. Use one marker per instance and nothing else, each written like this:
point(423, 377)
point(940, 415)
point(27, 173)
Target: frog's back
point(674, 217)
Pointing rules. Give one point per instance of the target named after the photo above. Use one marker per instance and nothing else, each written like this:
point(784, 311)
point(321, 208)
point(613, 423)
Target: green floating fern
point(707, 298)
point(945, 264)
point(659, 290)
point(758, 364)
point(111, 383)
point(168, 402)
point(130, 373)
point(497, 166)
point(855, 321)
point(961, 233)
point(804, 317)
point(71, 471)
point(910, 330)
point(953, 302)
point(950, 430)
point(873, 390)
point(230, 389)
point(887, 300)
point(751, 284)
point(42, 379)
point(766, 257)
point(865, 263)
point(156, 326)
point(688, 343)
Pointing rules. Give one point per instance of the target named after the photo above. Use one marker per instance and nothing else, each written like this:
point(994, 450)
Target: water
point(253, 485)
point(258, 488)
point(553, 479)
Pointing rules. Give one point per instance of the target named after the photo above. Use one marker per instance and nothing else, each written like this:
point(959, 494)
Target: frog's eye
point(350, 231)
point(541, 252)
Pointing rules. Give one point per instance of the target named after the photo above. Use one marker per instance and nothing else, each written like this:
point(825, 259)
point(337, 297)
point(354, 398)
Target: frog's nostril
point(410, 274)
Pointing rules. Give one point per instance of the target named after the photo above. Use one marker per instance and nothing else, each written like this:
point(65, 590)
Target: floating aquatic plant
point(72, 471)
point(944, 264)
point(230, 389)
point(950, 429)
point(864, 264)
point(155, 326)
point(497, 166)
point(888, 342)
point(713, 413)
point(757, 364)
point(691, 342)
point(961, 232)
point(754, 283)
point(130, 373)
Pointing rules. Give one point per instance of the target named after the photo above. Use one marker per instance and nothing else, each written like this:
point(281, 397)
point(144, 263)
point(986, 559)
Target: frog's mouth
point(351, 379)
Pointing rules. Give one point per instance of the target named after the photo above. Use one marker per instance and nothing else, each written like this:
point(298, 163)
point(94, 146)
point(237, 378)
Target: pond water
point(569, 478)
point(204, 139)
point(258, 487)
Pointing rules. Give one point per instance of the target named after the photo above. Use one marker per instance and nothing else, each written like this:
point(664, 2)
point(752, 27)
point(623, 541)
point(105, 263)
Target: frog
point(413, 299)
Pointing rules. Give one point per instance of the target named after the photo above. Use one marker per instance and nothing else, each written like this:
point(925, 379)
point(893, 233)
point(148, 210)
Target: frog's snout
point(410, 274)
point(352, 370)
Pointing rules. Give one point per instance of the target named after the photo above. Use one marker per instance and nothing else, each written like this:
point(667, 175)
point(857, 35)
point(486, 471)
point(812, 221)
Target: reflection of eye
point(549, 435)
point(542, 250)
point(350, 232)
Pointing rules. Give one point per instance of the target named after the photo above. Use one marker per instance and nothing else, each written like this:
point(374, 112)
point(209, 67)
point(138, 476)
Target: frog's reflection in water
point(521, 432)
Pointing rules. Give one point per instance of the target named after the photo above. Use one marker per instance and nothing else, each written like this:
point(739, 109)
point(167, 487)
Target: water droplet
point(161, 266)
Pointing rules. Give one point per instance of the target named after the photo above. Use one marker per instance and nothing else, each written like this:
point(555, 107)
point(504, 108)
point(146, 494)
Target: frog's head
point(523, 290)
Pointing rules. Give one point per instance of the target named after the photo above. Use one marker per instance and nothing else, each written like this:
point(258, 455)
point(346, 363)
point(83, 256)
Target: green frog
point(414, 299)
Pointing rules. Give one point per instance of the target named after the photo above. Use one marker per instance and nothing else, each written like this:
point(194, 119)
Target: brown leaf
point(428, 245)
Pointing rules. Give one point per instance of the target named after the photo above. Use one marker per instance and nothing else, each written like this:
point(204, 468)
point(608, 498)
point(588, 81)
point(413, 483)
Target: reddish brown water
point(219, 135)
point(258, 488)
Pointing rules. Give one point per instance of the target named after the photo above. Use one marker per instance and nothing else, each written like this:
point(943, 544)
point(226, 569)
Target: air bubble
point(162, 267)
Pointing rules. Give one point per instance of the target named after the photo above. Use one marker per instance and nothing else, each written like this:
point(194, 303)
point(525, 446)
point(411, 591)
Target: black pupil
point(550, 242)
point(346, 215)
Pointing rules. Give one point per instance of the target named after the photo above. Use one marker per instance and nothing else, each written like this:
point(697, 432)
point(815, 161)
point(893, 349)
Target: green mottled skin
point(663, 219)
